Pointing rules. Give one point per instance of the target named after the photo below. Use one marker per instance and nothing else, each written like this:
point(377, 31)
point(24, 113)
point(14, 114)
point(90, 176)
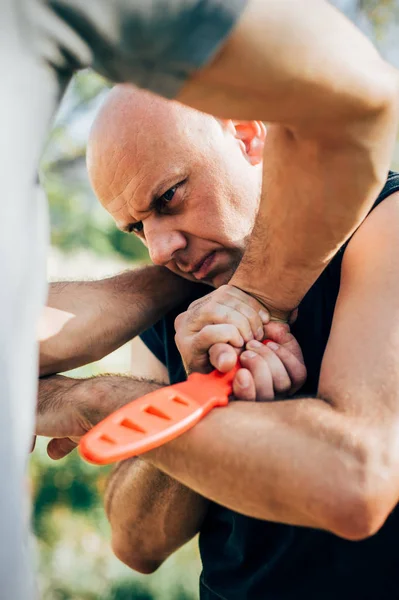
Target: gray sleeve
point(156, 44)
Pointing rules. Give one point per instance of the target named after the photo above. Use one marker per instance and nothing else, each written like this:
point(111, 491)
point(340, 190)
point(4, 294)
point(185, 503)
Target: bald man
point(300, 64)
point(281, 490)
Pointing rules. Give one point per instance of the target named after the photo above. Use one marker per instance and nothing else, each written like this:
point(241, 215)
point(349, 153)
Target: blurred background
point(74, 558)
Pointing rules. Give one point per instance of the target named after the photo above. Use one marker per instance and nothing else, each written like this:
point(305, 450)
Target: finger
point(280, 377)
point(293, 365)
point(217, 334)
point(244, 386)
point(281, 334)
point(260, 372)
point(221, 314)
point(229, 294)
point(251, 308)
point(58, 448)
point(227, 305)
point(245, 298)
point(223, 357)
point(252, 316)
point(197, 352)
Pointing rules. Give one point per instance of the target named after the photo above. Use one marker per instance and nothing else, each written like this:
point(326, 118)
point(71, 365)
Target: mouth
point(202, 268)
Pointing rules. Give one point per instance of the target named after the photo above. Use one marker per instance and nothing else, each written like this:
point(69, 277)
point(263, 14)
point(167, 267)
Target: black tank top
point(250, 559)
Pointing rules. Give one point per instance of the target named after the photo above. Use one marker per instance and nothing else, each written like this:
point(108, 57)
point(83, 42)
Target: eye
point(136, 227)
point(167, 197)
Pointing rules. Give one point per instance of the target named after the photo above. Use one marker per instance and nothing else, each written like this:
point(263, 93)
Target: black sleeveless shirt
point(249, 559)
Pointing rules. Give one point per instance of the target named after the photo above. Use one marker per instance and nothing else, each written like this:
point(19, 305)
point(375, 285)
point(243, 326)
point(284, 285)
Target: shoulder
point(377, 240)
point(390, 189)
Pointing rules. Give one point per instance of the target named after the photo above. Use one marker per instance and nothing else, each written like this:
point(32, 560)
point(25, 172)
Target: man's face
point(182, 182)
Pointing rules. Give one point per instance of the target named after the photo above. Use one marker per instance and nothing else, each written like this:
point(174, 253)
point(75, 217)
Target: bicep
point(360, 370)
point(145, 364)
point(327, 80)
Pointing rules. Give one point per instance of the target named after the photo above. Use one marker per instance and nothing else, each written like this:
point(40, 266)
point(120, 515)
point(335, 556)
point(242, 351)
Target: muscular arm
point(333, 102)
point(332, 461)
point(151, 514)
point(86, 320)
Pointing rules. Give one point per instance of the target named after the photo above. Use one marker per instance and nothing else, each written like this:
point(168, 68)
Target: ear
point(252, 134)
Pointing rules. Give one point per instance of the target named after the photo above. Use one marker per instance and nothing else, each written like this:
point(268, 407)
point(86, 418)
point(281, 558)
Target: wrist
point(145, 295)
point(279, 310)
point(100, 396)
point(158, 286)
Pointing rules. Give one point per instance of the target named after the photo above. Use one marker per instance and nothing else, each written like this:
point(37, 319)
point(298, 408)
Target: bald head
point(134, 125)
point(185, 183)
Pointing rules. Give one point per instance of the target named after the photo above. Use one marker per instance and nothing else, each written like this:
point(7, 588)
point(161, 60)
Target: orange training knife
point(157, 417)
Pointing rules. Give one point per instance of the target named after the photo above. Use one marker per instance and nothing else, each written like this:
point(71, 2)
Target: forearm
point(87, 320)
point(314, 197)
point(269, 461)
point(151, 514)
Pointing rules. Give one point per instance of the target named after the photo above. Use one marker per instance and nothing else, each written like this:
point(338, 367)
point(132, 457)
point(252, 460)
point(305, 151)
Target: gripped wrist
point(278, 310)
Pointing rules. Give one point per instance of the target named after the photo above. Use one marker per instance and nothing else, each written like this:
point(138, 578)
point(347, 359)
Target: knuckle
point(224, 290)
point(301, 375)
point(178, 340)
point(194, 304)
point(283, 385)
point(210, 312)
point(180, 320)
point(206, 335)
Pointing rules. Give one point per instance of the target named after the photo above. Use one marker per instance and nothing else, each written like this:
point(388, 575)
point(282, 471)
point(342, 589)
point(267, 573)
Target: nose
point(163, 243)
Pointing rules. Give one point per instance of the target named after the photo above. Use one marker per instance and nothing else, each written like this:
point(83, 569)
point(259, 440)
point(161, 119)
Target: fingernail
point(264, 315)
point(254, 344)
point(223, 359)
point(248, 354)
point(273, 346)
point(243, 380)
point(260, 333)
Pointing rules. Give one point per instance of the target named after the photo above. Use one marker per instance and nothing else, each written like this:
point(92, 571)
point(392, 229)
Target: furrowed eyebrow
point(161, 189)
point(151, 206)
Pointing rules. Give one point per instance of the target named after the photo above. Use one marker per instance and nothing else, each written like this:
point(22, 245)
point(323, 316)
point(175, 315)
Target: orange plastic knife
point(157, 417)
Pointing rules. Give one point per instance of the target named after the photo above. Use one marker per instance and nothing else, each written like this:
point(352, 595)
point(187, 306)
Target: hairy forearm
point(87, 320)
point(269, 461)
point(315, 194)
point(151, 514)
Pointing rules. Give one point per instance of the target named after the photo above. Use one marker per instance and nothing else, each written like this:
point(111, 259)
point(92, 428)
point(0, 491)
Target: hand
point(67, 408)
point(226, 316)
point(61, 413)
point(271, 370)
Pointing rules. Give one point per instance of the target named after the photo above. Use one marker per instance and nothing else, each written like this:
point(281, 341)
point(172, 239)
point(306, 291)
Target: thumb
point(61, 420)
point(223, 357)
point(59, 448)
